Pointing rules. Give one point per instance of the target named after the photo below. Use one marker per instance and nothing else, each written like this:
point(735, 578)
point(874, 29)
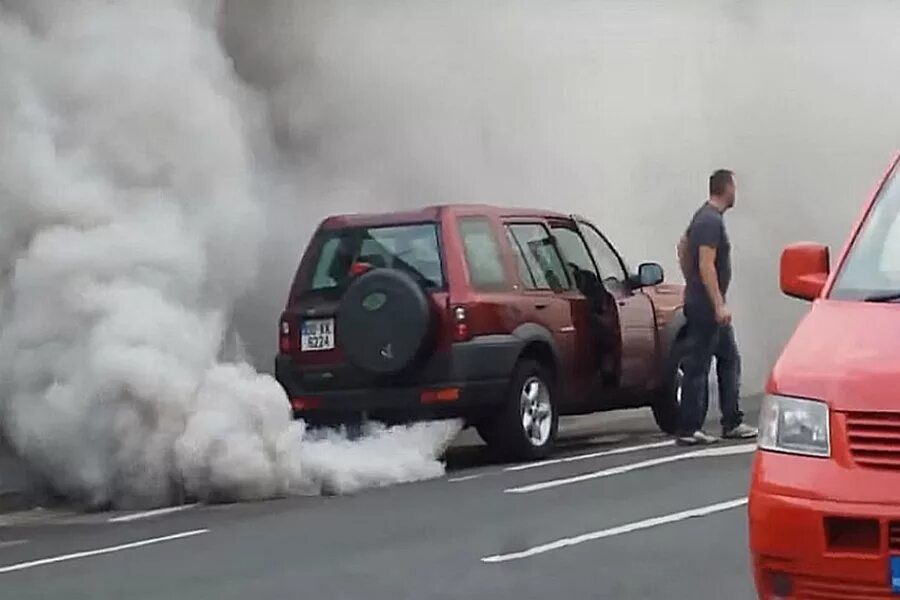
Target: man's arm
point(711, 281)
point(684, 261)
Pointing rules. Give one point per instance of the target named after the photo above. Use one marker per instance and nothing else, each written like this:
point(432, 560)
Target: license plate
point(895, 574)
point(317, 335)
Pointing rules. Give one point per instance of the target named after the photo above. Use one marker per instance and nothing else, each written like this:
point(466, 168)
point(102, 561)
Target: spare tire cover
point(383, 321)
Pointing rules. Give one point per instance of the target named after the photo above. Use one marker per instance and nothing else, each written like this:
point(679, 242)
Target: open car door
point(633, 308)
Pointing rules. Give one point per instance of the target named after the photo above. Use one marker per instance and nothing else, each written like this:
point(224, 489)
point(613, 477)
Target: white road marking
point(465, 478)
point(622, 529)
point(567, 459)
point(87, 554)
point(556, 461)
point(645, 464)
point(11, 543)
point(151, 513)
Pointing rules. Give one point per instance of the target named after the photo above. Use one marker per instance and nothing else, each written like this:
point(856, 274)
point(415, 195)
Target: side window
point(541, 257)
point(607, 260)
point(482, 253)
point(324, 275)
point(529, 280)
point(575, 253)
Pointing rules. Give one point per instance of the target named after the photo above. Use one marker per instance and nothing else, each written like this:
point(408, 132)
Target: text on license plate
point(317, 334)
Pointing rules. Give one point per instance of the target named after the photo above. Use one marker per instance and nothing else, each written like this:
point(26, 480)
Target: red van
point(824, 507)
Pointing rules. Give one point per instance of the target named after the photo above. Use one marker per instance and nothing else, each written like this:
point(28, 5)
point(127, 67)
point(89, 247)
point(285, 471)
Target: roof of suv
point(434, 213)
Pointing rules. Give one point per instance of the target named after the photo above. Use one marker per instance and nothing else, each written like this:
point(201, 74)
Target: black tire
point(667, 404)
point(384, 322)
point(506, 432)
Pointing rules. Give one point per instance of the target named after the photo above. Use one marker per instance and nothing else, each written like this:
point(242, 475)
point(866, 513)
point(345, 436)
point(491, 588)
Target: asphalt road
point(619, 513)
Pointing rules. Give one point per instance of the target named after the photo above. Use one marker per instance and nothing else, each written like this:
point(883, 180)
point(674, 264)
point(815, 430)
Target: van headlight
point(795, 426)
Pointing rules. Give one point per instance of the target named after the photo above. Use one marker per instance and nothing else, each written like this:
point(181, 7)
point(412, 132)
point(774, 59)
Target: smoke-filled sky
point(618, 110)
point(163, 163)
point(130, 222)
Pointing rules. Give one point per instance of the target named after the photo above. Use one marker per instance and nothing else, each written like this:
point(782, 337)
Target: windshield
point(872, 268)
point(411, 248)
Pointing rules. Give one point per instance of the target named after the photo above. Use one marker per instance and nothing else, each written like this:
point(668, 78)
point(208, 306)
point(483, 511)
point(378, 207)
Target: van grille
point(894, 536)
point(874, 439)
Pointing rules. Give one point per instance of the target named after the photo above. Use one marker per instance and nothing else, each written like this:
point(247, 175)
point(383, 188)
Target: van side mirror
point(649, 274)
point(804, 270)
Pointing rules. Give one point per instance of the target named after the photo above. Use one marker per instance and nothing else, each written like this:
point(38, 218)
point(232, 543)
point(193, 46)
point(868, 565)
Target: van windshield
point(872, 268)
point(413, 249)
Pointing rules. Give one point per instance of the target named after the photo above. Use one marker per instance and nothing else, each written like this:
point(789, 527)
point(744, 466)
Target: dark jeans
point(706, 339)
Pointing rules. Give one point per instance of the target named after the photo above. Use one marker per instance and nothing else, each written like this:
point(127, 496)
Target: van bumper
point(808, 542)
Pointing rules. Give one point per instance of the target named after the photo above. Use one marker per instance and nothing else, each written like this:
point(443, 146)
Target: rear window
point(482, 254)
point(413, 249)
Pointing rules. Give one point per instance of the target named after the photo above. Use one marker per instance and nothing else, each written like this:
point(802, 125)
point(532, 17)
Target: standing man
point(704, 253)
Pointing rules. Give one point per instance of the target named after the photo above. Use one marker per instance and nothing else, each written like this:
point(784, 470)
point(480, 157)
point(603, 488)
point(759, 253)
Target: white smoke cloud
point(129, 226)
point(147, 149)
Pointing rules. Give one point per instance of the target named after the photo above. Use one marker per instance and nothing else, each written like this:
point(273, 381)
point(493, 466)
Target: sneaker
point(741, 432)
point(697, 438)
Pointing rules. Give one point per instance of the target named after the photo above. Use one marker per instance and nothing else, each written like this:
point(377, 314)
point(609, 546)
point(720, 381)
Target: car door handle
point(540, 305)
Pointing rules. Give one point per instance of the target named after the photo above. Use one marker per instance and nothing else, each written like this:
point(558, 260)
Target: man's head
point(722, 189)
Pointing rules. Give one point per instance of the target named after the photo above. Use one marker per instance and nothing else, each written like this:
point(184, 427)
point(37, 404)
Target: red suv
point(504, 318)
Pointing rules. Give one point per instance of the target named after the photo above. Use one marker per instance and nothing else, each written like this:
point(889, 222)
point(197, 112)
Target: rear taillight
point(461, 332)
point(285, 337)
point(441, 395)
point(305, 403)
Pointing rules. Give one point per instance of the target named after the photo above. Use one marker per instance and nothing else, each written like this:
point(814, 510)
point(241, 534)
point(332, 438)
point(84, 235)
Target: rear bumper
point(397, 405)
point(462, 382)
point(826, 549)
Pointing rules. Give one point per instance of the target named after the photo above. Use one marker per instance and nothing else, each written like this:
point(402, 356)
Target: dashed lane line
point(147, 514)
point(100, 551)
point(600, 454)
point(644, 464)
point(564, 460)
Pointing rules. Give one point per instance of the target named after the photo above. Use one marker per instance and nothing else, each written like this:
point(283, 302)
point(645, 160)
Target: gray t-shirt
point(707, 228)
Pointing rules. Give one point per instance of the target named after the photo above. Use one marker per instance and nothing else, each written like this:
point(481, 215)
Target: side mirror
point(649, 274)
point(804, 270)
